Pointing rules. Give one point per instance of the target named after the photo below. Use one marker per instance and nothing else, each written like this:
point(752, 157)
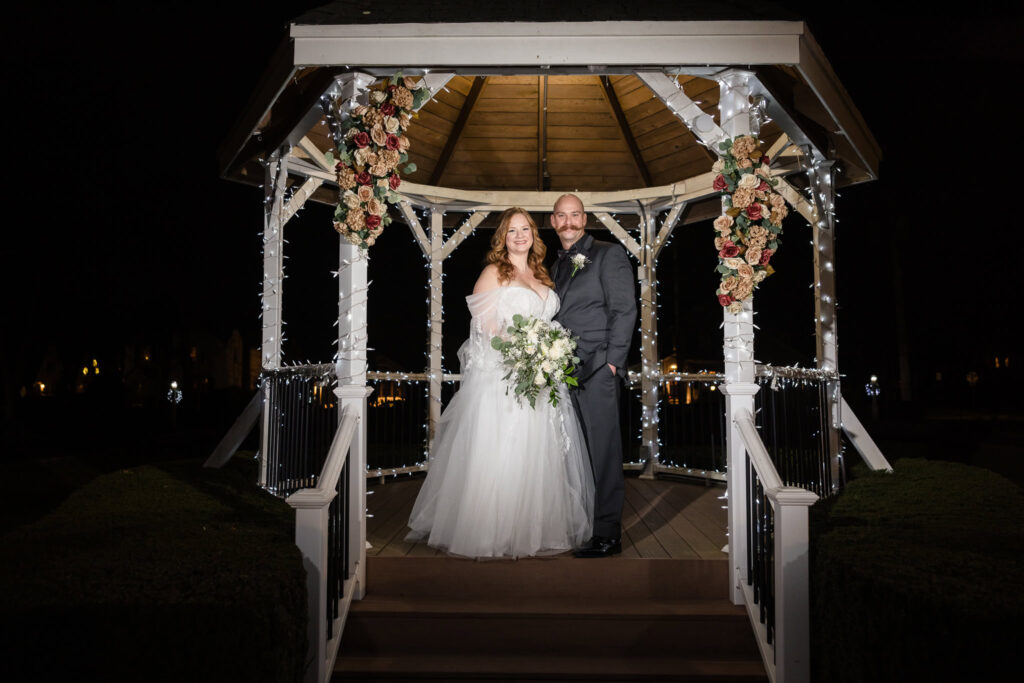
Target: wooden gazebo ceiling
point(588, 133)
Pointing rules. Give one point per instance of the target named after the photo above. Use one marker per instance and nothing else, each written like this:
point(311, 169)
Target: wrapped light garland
point(372, 145)
point(749, 232)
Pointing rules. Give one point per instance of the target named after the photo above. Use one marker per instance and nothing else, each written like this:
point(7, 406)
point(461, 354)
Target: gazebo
point(628, 114)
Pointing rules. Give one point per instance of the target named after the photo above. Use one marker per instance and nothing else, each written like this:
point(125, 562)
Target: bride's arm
point(487, 281)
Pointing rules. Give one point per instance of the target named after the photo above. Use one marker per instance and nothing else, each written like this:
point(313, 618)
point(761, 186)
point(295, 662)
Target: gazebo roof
point(551, 104)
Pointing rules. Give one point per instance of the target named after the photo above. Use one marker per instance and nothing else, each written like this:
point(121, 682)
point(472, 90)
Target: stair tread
point(585, 668)
point(385, 605)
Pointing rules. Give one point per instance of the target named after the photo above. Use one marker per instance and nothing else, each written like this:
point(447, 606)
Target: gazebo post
point(436, 322)
point(650, 373)
point(738, 347)
point(275, 179)
point(821, 175)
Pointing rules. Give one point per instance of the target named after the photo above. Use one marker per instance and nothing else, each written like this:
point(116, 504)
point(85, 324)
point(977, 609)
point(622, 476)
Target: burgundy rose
point(392, 88)
point(364, 178)
point(765, 160)
point(372, 221)
point(387, 109)
point(725, 299)
point(720, 183)
point(394, 181)
point(340, 165)
point(362, 139)
point(729, 250)
point(754, 212)
point(392, 142)
point(765, 256)
point(764, 186)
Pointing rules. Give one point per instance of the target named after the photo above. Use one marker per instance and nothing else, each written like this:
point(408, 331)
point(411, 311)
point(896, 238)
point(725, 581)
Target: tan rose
point(729, 284)
point(402, 97)
point(378, 135)
point(777, 200)
point(411, 83)
point(370, 240)
point(390, 157)
point(405, 120)
point(380, 170)
point(346, 178)
point(759, 276)
point(364, 193)
point(382, 182)
point(756, 231)
point(351, 199)
point(723, 224)
point(765, 171)
point(375, 207)
point(340, 227)
point(745, 271)
point(373, 117)
point(364, 156)
point(744, 289)
point(745, 163)
point(735, 307)
point(757, 242)
point(719, 243)
point(356, 219)
point(390, 124)
point(742, 198)
point(733, 263)
point(743, 146)
point(354, 238)
point(753, 256)
point(404, 144)
point(760, 196)
point(749, 180)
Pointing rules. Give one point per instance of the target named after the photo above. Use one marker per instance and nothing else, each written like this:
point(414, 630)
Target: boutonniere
point(579, 262)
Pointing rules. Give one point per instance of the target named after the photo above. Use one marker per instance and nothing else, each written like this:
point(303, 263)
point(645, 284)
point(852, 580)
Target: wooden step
point(562, 577)
point(614, 619)
point(546, 668)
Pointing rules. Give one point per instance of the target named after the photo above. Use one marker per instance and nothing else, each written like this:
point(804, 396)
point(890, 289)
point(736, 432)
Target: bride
point(505, 479)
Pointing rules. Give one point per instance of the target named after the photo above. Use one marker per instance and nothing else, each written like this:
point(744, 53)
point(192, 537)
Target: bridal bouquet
point(539, 356)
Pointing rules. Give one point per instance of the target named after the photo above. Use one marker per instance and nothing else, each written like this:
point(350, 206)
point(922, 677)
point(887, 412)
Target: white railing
point(316, 533)
point(784, 637)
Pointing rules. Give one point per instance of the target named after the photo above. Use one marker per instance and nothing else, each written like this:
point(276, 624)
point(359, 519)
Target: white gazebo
point(626, 114)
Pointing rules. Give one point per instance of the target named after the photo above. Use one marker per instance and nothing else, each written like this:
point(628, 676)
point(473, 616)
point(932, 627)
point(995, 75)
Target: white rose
point(733, 263)
point(391, 124)
point(538, 379)
point(530, 348)
point(759, 276)
point(559, 375)
point(362, 154)
point(718, 166)
point(546, 366)
point(378, 96)
point(351, 199)
point(749, 180)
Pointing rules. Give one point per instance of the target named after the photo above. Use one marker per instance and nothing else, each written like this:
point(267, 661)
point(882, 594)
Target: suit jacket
point(598, 304)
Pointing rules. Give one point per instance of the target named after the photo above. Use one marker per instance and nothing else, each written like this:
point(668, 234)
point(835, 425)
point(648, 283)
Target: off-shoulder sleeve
point(485, 324)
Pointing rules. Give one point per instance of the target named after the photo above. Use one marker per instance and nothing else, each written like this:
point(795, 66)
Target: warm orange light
point(94, 363)
point(85, 371)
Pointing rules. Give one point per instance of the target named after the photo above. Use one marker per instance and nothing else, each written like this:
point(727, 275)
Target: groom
point(594, 282)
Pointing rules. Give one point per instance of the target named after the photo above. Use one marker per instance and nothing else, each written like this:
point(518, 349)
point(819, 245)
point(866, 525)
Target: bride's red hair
point(498, 255)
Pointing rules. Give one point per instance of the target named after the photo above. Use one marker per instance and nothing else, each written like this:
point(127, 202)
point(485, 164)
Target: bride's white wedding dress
point(505, 479)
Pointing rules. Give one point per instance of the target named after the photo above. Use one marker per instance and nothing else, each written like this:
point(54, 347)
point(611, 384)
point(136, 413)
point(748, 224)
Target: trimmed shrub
point(916, 575)
point(165, 572)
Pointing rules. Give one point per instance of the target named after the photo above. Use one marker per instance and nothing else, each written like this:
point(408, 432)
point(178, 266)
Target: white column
point(436, 321)
point(821, 176)
point(650, 375)
point(275, 179)
point(738, 349)
point(792, 581)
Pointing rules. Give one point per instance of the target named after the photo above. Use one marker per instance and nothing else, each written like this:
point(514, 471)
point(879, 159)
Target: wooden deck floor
point(661, 520)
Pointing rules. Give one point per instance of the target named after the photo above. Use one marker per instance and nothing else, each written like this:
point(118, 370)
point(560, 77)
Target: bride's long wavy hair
point(498, 255)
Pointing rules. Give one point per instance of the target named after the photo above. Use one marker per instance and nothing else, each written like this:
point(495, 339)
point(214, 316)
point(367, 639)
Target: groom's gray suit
point(598, 306)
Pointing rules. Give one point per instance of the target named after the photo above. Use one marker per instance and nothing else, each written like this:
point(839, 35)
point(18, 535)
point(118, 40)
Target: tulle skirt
point(505, 479)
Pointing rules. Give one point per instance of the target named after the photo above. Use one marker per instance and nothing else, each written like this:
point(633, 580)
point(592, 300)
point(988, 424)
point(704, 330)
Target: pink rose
point(729, 250)
point(754, 212)
point(719, 184)
point(725, 299)
point(394, 181)
point(753, 256)
point(765, 257)
point(362, 139)
point(764, 186)
point(723, 224)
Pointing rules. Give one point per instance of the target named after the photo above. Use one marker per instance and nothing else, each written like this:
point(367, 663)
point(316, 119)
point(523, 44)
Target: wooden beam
point(464, 231)
point(620, 232)
point(778, 147)
point(414, 225)
point(613, 101)
point(307, 146)
point(666, 227)
point(299, 198)
point(460, 124)
point(667, 90)
point(542, 130)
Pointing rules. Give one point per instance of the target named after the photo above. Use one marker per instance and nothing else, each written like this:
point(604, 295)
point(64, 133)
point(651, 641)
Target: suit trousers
point(597, 405)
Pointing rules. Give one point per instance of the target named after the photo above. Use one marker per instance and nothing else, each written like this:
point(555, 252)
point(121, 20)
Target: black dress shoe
point(599, 546)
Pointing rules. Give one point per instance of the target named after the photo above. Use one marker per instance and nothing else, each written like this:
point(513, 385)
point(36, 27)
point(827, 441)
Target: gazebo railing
point(691, 425)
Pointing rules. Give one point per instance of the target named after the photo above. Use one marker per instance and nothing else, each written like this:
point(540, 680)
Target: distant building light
point(85, 371)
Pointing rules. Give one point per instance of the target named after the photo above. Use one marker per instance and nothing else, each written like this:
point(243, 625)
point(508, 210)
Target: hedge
point(917, 575)
point(164, 572)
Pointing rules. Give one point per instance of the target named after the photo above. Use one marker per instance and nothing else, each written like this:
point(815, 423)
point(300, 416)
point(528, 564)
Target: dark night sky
point(117, 224)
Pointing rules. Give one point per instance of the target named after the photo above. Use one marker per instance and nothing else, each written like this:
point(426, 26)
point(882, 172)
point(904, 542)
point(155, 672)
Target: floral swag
point(373, 144)
point(749, 232)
